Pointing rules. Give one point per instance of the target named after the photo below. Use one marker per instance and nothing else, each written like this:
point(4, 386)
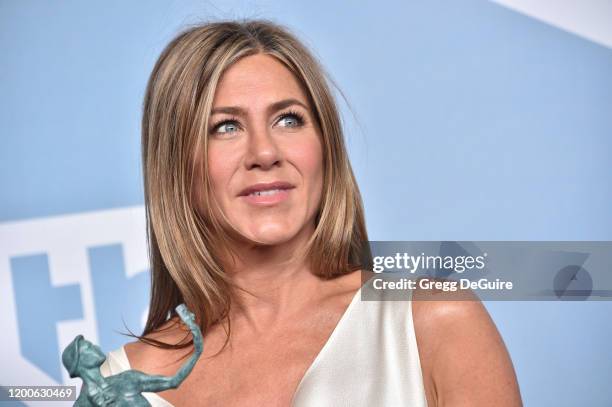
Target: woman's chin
point(270, 235)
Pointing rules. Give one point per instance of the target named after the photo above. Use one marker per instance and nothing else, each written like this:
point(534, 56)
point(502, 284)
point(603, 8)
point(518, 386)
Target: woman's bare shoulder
point(343, 288)
point(463, 357)
point(351, 281)
point(153, 359)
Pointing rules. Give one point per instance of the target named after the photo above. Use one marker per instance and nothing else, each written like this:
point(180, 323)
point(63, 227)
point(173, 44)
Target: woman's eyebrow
point(274, 107)
point(282, 104)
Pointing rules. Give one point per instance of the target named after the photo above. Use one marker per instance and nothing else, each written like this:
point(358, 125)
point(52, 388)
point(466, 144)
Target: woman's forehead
point(257, 80)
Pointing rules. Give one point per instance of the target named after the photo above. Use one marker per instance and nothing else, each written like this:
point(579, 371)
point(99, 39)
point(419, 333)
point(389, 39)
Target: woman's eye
point(227, 127)
point(290, 120)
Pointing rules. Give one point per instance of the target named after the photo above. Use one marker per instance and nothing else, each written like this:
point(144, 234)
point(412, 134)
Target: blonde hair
point(185, 247)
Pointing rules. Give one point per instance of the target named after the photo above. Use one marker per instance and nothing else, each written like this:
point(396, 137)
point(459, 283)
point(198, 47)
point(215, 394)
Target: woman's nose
point(262, 151)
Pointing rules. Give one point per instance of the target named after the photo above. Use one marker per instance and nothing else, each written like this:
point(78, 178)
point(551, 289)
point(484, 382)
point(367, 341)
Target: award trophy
point(83, 359)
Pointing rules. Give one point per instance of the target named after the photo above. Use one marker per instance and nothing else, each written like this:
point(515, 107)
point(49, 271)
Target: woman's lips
point(266, 193)
point(265, 186)
point(267, 197)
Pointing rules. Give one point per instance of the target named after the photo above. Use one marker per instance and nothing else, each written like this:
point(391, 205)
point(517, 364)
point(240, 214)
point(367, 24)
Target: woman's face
point(264, 152)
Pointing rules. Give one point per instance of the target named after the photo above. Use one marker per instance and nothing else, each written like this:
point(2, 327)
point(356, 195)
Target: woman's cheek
point(220, 163)
point(308, 155)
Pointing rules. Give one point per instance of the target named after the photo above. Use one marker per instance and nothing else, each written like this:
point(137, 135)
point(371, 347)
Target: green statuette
point(83, 359)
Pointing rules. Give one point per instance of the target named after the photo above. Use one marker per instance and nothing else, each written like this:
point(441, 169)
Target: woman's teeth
point(264, 193)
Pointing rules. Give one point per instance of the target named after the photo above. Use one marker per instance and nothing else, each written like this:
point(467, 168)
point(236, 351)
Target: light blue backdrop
point(469, 122)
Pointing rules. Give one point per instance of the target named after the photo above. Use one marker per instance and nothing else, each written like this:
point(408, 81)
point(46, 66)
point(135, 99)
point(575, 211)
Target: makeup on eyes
point(233, 120)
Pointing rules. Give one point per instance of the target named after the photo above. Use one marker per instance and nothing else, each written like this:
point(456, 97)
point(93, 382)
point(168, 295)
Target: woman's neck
point(273, 282)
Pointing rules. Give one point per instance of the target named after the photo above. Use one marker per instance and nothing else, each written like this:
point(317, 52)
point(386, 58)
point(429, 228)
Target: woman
point(256, 223)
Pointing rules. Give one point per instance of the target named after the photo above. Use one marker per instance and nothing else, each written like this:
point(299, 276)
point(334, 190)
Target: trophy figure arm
point(189, 319)
point(160, 383)
point(188, 366)
point(156, 383)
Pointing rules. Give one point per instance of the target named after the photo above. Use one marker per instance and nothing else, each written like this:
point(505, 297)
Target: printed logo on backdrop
point(63, 276)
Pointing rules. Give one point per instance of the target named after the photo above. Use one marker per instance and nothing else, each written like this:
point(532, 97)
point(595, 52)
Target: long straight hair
point(186, 247)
